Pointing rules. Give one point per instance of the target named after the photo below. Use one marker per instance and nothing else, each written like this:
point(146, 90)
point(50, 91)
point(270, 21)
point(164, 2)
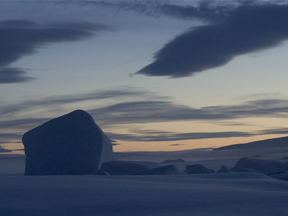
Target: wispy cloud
point(176, 145)
point(13, 75)
point(201, 10)
point(23, 37)
point(23, 124)
point(170, 136)
point(274, 131)
point(232, 29)
point(12, 114)
point(167, 111)
point(160, 136)
point(134, 106)
point(60, 100)
point(248, 28)
point(6, 137)
point(204, 10)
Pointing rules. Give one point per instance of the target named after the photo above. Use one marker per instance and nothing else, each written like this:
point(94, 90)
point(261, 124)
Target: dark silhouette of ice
point(164, 170)
point(223, 169)
point(137, 168)
point(126, 167)
point(281, 142)
point(260, 165)
point(68, 145)
point(197, 169)
point(233, 194)
point(280, 175)
point(102, 172)
point(173, 161)
point(4, 150)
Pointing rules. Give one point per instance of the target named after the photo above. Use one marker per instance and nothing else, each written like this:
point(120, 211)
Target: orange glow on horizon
point(16, 148)
point(187, 144)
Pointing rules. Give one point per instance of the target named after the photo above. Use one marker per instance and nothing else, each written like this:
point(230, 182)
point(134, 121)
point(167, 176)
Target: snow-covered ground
point(182, 194)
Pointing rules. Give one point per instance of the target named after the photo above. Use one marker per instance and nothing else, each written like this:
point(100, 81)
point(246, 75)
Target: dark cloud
point(170, 136)
point(10, 135)
point(250, 2)
point(160, 136)
point(13, 75)
point(151, 109)
point(275, 131)
point(212, 11)
point(143, 107)
point(115, 94)
point(204, 10)
point(166, 111)
point(246, 29)
point(144, 112)
point(22, 37)
point(176, 144)
point(22, 124)
point(10, 112)
point(6, 137)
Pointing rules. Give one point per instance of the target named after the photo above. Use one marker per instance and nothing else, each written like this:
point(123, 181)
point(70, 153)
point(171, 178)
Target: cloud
point(133, 106)
point(275, 131)
point(26, 115)
point(150, 109)
point(201, 10)
point(23, 37)
point(246, 29)
point(9, 136)
point(176, 144)
point(187, 10)
point(142, 107)
point(13, 75)
point(129, 93)
point(43, 108)
point(22, 124)
point(160, 136)
point(4, 150)
point(204, 10)
point(167, 111)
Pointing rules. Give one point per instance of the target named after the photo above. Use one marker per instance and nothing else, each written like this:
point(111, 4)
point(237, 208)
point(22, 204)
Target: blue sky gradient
point(155, 75)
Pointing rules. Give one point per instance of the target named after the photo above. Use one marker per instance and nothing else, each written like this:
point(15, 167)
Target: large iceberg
point(72, 144)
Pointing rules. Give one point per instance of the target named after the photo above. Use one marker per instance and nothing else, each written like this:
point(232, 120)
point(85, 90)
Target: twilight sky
point(155, 75)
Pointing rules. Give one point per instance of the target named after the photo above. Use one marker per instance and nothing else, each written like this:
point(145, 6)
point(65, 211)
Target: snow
point(207, 194)
point(233, 194)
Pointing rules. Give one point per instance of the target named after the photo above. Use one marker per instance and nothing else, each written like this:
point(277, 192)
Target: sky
point(155, 75)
